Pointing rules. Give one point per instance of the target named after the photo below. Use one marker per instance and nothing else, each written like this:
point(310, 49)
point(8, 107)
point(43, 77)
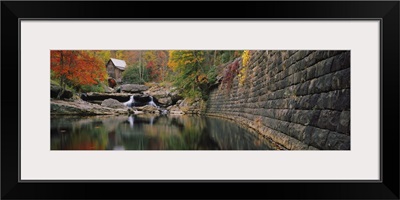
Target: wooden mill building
point(115, 67)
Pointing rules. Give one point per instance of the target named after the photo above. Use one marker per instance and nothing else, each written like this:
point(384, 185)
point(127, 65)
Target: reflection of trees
point(74, 134)
point(150, 132)
point(175, 133)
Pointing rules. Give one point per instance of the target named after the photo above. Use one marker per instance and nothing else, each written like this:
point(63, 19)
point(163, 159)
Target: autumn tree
point(150, 62)
point(103, 55)
point(189, 70)
point(156, 64)
point(77, 68)
point(163, 63)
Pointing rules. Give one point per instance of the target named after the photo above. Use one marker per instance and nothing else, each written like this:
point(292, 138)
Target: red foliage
point(231, 70)
point(156, 65)
point(154, 73)
point(77, 67)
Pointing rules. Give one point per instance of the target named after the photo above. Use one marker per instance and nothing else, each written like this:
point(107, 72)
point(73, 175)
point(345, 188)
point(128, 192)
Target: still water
point(151, 133)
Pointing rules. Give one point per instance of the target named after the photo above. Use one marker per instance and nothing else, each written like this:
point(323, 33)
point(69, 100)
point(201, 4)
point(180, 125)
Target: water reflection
point(150, 132)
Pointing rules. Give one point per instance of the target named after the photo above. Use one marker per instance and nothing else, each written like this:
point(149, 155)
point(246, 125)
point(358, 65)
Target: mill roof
point(120, 64)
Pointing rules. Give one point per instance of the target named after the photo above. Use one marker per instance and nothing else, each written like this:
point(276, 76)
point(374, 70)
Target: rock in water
point(163, 95)
point(149, 109)
point(112, 103)
point(133, 88)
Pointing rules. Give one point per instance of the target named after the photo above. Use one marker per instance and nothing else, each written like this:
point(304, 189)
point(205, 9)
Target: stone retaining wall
point(299, 99)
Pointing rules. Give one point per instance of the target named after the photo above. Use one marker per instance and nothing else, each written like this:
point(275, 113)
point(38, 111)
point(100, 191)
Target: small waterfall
point(130, 102)
point(151, 102)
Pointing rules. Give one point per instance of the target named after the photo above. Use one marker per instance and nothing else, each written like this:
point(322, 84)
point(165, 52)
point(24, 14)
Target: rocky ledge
point(107, 107)
point(154, 100)
point(79, 107)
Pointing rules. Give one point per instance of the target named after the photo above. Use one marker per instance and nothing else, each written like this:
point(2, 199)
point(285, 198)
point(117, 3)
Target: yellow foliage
point(183, 58)
point(245, 61)
point(245, 57)
point(172, 62)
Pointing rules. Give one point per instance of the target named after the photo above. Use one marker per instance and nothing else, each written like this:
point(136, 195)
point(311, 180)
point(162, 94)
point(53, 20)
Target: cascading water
point(130, 103)
point(151, 102)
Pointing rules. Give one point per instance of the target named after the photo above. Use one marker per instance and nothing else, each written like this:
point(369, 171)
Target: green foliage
point(53, 77)
point(227, 56)
point(188, 67)
point(54, 82)
point(132, 75)
point(196, 71)
point(92, 88)
point(57, 82)
point(212, 75)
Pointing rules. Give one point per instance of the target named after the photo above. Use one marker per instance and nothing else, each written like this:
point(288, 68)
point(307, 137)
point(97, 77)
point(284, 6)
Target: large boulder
point(55, 90)
point(148, 109)
point(142, 98)
point(175, 95)
point(166, 101)
point(175, 110)
point(164, 95)
point(133, 88)
point(112, 103)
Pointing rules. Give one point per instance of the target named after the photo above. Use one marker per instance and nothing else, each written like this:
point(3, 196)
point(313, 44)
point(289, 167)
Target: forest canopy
point(191, 71)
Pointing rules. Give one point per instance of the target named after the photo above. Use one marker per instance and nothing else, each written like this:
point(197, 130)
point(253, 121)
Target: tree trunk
point(140, 66)
point(215, 56)
point(62, 77)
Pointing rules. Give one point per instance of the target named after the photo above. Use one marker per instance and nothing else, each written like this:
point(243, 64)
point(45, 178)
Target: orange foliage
point(77, 67)
point(202, 78)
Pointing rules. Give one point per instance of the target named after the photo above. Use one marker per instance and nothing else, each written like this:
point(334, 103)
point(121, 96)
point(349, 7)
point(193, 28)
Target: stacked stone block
point(300, 99)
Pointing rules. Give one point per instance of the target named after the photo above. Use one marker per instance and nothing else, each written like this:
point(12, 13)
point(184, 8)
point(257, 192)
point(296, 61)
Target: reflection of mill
point(137, 124)
point(131, 120)
point(118, 137)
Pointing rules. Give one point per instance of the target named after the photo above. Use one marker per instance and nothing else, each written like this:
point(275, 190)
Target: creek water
point(150, 132)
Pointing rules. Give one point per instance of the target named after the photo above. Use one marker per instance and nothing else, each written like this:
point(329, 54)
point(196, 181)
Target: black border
point(388, 12)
